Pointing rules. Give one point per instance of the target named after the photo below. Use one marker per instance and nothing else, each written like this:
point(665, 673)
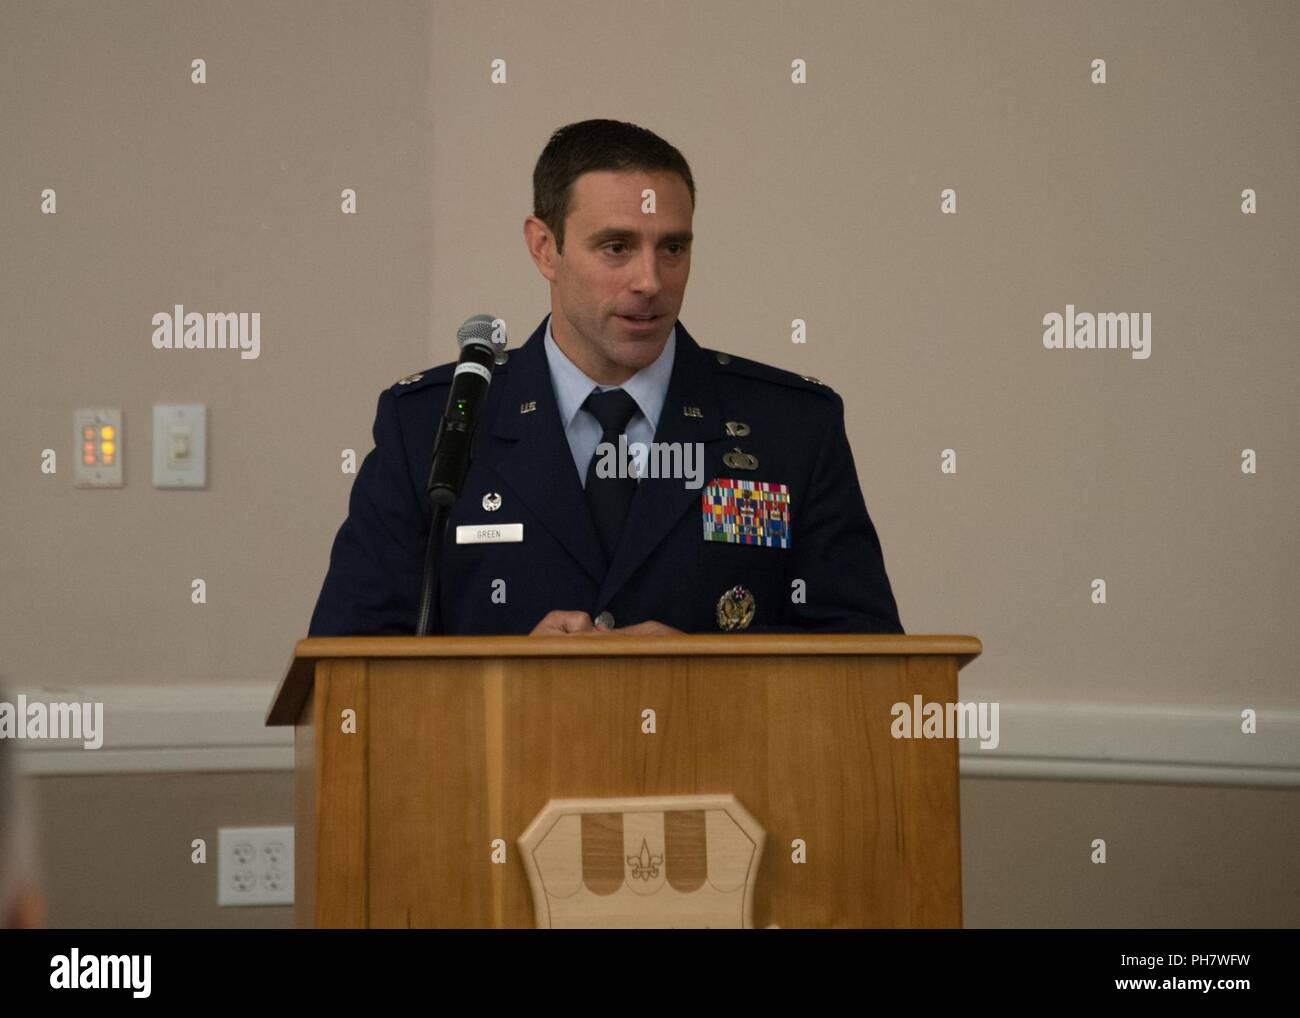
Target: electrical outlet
point(255, 866)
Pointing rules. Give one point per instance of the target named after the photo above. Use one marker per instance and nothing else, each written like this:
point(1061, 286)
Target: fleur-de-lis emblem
point(644, 865)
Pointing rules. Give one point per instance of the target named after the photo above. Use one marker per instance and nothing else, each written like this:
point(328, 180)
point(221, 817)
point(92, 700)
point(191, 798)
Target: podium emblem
point(654, 862)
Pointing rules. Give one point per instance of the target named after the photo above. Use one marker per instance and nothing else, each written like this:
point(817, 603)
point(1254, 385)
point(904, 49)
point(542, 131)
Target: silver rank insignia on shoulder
point(809, 378)
point(737, 429)
point(692, 411)
point(529, 407)
point(411, 378)
point(492, 501)
point(738, 460)
point(735, 609)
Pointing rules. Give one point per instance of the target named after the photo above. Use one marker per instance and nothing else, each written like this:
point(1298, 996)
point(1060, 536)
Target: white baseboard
point(1201, 745)
point(220, 727)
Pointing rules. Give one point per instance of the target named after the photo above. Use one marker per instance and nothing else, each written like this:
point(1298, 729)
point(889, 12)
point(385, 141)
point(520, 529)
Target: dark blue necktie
point(609, 497)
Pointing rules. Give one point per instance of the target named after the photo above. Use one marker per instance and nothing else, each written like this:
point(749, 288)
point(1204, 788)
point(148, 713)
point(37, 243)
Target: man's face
point(618, 263)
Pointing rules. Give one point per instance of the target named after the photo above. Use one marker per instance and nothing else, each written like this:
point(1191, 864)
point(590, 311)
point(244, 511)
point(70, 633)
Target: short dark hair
point(590, 145)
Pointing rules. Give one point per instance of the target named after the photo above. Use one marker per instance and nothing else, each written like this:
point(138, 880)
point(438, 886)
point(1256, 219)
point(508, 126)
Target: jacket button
point(604, 621)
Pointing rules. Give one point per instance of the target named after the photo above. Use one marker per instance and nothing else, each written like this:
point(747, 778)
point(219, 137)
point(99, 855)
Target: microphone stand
point(432, 554)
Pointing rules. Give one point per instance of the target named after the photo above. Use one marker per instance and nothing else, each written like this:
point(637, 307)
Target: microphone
point(451, 449)
point(469, 386)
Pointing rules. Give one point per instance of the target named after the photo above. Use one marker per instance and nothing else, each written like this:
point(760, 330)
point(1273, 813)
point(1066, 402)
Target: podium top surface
point(297, 680)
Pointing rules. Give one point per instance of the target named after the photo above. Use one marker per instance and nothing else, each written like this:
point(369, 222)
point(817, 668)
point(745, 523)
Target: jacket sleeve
point(372, 587)
point(836, 550)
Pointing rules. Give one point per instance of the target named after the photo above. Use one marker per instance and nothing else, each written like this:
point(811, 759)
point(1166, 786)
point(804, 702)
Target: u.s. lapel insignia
point(492, 501)
point(692, 411)
point(737, 429)
point(735, 609)
point(739, 460)
point(746, 512)
point(529, 407)
point(411, 378)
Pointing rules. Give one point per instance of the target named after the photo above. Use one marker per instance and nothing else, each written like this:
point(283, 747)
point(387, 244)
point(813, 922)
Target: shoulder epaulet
point(422, 380)
point(441, 375)
point(766, 372)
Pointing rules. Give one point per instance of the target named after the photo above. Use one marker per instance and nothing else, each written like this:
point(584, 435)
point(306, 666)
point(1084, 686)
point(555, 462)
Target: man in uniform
point(767, 533)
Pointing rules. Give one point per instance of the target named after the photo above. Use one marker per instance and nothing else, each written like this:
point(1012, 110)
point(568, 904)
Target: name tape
point(496, 534)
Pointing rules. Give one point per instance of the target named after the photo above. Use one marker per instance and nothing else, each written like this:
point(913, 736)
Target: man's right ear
point(541, 246)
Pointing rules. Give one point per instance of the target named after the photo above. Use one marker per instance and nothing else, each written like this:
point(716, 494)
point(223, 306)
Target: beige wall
point(818, 202)
point(118, 851)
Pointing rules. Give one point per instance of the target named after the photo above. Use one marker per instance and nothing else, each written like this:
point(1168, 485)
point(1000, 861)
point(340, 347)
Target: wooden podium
point(607, 780)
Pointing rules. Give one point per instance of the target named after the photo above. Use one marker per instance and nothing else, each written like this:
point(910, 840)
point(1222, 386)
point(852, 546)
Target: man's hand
point(559, 623)
point(649, 629)
point(562, 623)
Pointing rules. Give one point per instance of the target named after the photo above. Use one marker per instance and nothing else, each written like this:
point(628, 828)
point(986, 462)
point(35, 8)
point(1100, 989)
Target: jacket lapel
point(531, 454)
point(660, 502)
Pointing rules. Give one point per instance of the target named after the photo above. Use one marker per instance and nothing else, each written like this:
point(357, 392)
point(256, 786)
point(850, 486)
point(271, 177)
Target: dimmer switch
point(98, 462)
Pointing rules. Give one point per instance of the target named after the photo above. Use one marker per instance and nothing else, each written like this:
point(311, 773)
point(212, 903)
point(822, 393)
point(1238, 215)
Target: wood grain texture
point(304, 809)
point(454, 752)
point(932, 830)
point(686, 850)
point(292, 691)
point(601, 850)
point(342, 794)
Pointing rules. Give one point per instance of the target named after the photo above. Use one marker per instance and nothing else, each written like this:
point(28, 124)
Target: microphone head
point(481, 329)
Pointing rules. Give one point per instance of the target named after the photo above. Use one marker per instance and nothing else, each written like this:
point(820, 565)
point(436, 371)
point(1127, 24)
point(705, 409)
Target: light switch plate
point(180, 440)
point(97, 460)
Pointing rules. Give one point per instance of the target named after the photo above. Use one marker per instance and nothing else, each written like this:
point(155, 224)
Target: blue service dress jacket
point(779, 503)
